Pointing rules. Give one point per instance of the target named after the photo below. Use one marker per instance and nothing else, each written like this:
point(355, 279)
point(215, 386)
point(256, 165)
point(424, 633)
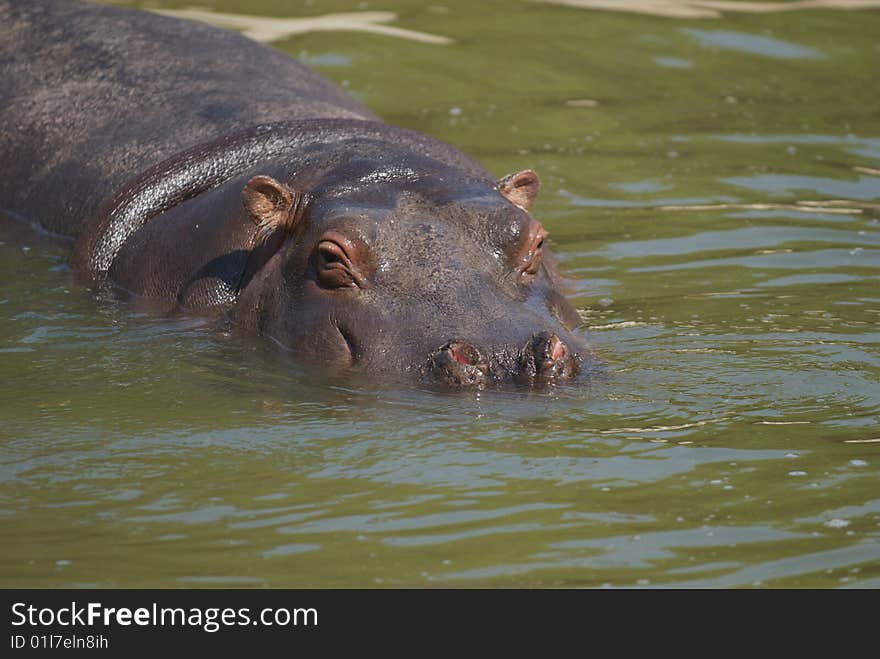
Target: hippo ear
point(520, 188)
point(273, 206)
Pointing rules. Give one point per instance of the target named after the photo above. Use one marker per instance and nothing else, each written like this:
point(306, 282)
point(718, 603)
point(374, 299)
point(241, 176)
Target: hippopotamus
point(196, 168)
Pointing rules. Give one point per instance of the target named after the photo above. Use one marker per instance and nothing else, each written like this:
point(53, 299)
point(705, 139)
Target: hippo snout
point(543, 360)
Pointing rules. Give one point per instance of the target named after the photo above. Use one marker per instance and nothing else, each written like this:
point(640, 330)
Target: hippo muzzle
point(544, 360)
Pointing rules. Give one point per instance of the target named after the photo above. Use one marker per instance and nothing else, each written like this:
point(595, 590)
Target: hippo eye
point(530, 263)
point(335, 265)
point(329, 254)
point(332, 265)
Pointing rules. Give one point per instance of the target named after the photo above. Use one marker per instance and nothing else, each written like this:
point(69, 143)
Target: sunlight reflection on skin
point(266, 29)
point(709, 8)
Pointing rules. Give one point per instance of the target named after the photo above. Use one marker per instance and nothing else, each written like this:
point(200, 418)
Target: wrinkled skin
point(298, 215)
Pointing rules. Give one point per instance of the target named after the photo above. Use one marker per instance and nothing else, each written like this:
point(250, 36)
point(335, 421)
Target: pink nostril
point(463, 353)
point(558, 350)
point(459, 357)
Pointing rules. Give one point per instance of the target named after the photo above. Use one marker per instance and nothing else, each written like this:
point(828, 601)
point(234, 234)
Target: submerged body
point(196, 167)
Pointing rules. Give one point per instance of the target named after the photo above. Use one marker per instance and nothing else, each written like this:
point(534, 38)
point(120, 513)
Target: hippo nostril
point(457, 364)
point(547, 358)
point(557, 348)
point(464, 353)
point(545, 348)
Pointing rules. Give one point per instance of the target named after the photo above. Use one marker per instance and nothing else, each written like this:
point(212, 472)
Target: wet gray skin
point(424, 273)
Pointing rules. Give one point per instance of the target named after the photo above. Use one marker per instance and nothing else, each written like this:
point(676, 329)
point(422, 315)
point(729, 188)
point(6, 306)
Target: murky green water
point(713, 192)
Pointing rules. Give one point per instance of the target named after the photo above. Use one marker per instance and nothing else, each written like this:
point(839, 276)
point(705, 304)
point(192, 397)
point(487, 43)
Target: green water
point(729, 439)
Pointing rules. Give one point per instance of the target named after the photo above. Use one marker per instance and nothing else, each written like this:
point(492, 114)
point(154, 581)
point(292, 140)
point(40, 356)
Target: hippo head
point(412, 269)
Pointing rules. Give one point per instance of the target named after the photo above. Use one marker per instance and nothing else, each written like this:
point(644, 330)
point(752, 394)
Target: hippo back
point(92, 95)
